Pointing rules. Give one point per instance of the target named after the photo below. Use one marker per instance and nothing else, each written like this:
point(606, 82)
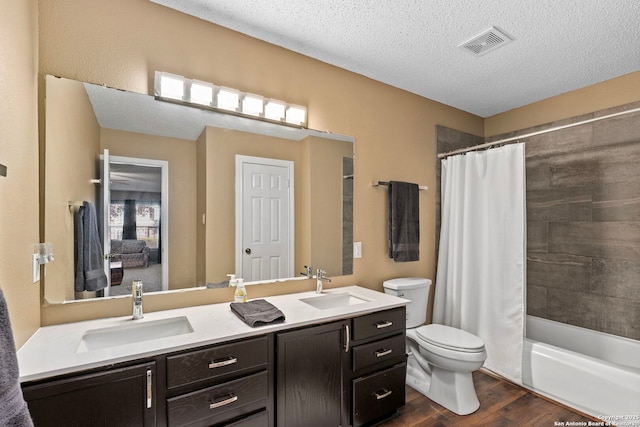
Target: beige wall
point(181, 155)
point(71, 160)
point(325, 189)
point(19, 219)
point(222, 147)
point(201, 208)
point(121, 43)
point(612, 93)
point(318, 196)
point(303, 206)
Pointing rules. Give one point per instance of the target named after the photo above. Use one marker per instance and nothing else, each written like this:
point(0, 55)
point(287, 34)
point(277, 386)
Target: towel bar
point(386, 183)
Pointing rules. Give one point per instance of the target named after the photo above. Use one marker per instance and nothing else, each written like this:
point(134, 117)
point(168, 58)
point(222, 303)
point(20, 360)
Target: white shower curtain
point(482, 257)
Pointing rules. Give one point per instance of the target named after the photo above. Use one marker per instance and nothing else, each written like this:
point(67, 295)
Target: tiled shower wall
point(583, 222)
point(347, 216)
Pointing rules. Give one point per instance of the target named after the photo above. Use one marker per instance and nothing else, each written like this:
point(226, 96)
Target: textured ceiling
point(558, 46)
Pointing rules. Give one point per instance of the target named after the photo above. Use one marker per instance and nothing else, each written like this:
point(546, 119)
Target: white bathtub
point(596, 373)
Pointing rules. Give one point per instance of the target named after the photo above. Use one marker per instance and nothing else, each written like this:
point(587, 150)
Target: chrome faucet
point(308, 271)
point(136, 293)
point(319, 279)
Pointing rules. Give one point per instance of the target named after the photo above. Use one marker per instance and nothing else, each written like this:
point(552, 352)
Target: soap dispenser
point(241, 293)
point(232, 280)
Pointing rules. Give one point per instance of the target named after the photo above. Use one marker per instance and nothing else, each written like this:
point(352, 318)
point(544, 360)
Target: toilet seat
point(452, 354)
point(450, 338)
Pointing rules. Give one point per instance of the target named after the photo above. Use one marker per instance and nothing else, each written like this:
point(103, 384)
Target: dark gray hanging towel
point(13, 409)
point(89, 262)
point(129, 227)
point(257, 312)
point(404, 221)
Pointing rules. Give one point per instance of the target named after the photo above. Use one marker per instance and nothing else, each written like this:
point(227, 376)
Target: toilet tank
point(415, 289)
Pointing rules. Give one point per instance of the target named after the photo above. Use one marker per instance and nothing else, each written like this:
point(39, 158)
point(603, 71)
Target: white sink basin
point(133, 332)
point(333, 300)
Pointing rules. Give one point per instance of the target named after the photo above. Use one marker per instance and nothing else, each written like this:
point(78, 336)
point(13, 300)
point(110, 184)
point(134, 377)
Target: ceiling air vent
point(485, 42)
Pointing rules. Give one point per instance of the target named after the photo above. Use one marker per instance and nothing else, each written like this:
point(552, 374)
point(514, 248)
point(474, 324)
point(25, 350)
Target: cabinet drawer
point(216, 361)
point(379, 323)
point(260, 419)
point(378, 351)
point(379, 394)
point(221, 402)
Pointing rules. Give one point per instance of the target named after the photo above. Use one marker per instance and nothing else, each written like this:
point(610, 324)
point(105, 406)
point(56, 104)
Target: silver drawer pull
point(383, 324)
point(149, 388)
point(347, 339)
point(385, 393)
point(220, 363)
point(383, 352)
point(223, 402)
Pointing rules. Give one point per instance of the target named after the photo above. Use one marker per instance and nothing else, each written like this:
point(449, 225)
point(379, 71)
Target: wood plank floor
point(501, 404)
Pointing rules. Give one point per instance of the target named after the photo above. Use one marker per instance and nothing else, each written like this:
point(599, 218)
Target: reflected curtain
point(482, 258)
point(129, 220)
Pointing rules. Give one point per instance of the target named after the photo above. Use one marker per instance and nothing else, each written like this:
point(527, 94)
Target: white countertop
point(52, 350)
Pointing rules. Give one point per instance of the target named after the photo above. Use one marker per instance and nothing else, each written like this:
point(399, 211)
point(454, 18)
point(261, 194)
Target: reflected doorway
point(136, 225)
point(264, 218)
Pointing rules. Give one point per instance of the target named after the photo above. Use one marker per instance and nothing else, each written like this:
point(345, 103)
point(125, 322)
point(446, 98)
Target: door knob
point(247, 251)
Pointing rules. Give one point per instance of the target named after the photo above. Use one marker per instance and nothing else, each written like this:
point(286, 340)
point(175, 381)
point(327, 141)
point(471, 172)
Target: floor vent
point(485, 42)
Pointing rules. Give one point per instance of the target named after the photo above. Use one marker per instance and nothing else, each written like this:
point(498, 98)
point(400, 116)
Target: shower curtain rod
point(527, 135)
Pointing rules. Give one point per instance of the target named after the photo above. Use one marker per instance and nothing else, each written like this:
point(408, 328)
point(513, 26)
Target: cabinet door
point(310, 376)
point(119, 397)
point(378, 395)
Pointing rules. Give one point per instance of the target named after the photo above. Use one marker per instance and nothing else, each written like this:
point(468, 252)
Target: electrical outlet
point(357, 249)
point(36, 268)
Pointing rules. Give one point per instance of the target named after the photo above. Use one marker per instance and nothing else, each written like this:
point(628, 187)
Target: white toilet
point(441, 358)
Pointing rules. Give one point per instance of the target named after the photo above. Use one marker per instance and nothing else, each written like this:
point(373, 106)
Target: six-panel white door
point(264, 197)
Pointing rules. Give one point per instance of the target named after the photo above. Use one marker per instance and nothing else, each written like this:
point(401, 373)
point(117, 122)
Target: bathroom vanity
point(339, 359)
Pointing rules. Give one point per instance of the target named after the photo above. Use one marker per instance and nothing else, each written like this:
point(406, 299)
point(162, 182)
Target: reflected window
point(146, 221)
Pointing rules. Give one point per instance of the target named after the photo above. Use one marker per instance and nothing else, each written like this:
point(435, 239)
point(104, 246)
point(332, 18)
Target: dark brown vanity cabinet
point(228, 384)
point(117, 397)
point(350, 372)
point(311, 367)
point(378, 366)
point(341, 373)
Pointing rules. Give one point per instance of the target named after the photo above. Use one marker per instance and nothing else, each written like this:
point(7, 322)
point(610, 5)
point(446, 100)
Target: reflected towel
point(13, 409)
point(404, 221)
point(90, 265)
point(223, 284)
point(258, 312)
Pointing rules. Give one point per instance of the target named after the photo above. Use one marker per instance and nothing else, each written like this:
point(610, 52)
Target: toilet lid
point(450, 338)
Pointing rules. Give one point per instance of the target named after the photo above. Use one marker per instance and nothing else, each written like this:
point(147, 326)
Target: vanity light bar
point(228, 99)
point(296, 114)
point(172, 87)
point(253, 105)
point(275, 110)
point(201, 92)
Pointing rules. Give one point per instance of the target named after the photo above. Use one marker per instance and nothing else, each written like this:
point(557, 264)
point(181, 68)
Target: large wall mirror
point(182, 196)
